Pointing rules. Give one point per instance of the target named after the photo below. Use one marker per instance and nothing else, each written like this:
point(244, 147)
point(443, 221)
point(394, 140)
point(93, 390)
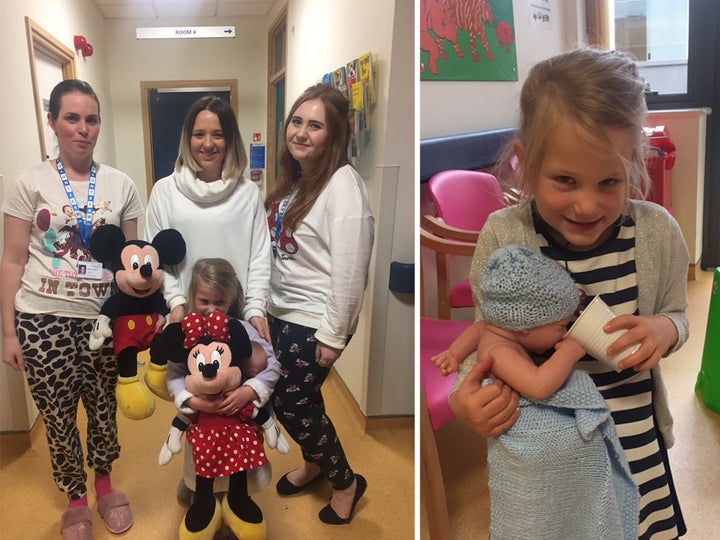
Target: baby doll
point(213, 348)
point(564, 442)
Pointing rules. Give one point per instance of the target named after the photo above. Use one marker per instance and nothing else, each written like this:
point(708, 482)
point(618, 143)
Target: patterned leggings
point(299, 404)
point(61, 370)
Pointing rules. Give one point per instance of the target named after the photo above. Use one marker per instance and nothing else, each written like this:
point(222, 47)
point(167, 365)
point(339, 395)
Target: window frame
point(701, 61)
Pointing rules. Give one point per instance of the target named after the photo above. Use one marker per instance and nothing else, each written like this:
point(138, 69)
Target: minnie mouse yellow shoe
point(133, 398)
point(208, 532)
point(240, 528)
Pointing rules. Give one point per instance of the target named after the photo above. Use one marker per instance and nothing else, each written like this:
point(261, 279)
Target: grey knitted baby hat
point(523, 289)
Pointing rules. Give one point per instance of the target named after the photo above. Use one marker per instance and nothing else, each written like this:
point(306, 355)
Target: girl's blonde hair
point(308, 184)
point(586, 91)
point(220, 276)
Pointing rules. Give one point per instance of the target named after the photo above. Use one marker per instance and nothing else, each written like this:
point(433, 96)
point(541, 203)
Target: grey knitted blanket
point(560, 473)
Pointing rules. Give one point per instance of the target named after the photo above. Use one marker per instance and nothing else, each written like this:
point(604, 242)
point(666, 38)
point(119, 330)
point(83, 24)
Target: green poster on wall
point(467, 40)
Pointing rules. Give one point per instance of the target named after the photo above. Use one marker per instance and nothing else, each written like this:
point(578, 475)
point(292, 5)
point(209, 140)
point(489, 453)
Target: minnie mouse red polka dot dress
point(223, 445)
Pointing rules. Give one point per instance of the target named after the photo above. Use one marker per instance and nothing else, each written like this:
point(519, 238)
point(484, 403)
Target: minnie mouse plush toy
point(213, 348)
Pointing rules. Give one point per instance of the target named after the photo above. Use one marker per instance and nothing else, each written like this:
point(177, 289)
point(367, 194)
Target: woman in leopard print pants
point(51, 293)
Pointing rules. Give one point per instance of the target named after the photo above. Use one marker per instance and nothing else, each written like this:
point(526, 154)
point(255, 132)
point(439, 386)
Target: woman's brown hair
point(307, 184)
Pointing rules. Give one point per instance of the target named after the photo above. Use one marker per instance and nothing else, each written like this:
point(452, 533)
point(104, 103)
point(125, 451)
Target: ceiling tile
point(127, 11)
point(182, 8)
point(242, 9)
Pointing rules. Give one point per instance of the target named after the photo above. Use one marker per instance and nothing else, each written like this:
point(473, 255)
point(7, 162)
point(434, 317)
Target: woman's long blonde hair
point(235, 157)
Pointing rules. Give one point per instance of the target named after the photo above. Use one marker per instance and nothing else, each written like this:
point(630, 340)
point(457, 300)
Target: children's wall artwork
point(467, 40)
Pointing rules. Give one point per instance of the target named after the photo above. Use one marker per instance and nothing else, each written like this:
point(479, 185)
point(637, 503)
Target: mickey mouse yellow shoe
point(240, 528)
point(133, 398)
point(208, 532)
point(155, 380)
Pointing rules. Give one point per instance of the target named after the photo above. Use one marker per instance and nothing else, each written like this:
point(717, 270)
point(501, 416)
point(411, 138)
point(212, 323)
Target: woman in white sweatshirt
point(220, 214)
point(321, 231)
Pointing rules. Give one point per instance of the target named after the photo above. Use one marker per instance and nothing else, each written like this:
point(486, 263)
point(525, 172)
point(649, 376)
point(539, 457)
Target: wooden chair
point(447, 241)
point(435, 336)
point(463, 200)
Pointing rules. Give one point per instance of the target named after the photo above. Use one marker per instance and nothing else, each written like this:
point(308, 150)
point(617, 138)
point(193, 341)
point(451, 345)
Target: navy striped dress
point(609, 270)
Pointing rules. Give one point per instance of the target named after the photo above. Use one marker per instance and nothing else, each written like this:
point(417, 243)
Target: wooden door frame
point(146, 86)
point(274, 76)
point(40, 40)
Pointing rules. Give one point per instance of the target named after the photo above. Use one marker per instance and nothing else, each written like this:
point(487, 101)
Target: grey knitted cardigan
point(661, 258)
point(560, 471)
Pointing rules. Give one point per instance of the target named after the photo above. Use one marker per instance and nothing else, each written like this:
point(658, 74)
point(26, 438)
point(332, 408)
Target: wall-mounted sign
point(185, 32)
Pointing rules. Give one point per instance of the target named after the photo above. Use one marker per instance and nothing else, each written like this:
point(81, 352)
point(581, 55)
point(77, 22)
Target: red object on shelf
point(659, 165)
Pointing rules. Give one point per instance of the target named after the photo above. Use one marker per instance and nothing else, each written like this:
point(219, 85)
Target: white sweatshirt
point(225, 218)
point(320, 280)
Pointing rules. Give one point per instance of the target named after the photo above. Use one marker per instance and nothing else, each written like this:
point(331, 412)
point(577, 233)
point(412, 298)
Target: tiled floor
point(695, 458)
point(382, 450)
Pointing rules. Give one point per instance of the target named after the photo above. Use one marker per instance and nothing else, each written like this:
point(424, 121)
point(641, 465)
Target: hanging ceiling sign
point(185, 32)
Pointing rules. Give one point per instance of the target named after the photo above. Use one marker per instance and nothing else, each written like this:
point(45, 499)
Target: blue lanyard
point(84, 225)
point(278, 222)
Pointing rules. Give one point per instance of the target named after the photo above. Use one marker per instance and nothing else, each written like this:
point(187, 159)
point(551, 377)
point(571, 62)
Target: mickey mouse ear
point(170, 246)
point(106, 242)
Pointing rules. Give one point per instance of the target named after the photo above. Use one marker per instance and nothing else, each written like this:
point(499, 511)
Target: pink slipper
point(76, 524)
point(114, 510)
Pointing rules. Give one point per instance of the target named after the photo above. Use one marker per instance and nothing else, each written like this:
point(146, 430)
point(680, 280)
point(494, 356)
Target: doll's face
point(543, 338)
point(210, 369)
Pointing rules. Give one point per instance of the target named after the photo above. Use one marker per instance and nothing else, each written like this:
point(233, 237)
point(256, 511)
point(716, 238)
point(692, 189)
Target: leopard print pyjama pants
point(61, 370)
point(299, 405)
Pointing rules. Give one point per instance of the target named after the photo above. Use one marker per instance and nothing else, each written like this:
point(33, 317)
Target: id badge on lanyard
point(86, 269)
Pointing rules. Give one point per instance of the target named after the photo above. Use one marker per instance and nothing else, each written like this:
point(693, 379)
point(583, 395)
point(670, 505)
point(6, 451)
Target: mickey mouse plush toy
point(213, 348)
point(137, 311)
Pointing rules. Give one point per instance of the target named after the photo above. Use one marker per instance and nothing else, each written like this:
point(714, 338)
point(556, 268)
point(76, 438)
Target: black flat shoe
point(328, 515)
point(285, 487)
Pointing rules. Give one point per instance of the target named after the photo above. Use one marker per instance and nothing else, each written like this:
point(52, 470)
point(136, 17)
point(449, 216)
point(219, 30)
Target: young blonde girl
point(580, 170)
point(214, 286)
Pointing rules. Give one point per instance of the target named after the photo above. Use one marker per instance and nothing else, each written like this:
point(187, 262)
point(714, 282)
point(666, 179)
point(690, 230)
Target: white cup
point(588, 331)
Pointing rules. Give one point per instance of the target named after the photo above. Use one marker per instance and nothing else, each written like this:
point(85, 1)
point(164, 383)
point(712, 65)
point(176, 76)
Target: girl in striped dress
point(580, 170)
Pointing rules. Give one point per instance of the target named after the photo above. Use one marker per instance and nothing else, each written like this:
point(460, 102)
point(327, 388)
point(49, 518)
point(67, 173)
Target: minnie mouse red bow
point(195, 326)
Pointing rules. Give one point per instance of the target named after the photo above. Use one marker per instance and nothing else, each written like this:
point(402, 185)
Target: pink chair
point(436, 335)
point(463, 200)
